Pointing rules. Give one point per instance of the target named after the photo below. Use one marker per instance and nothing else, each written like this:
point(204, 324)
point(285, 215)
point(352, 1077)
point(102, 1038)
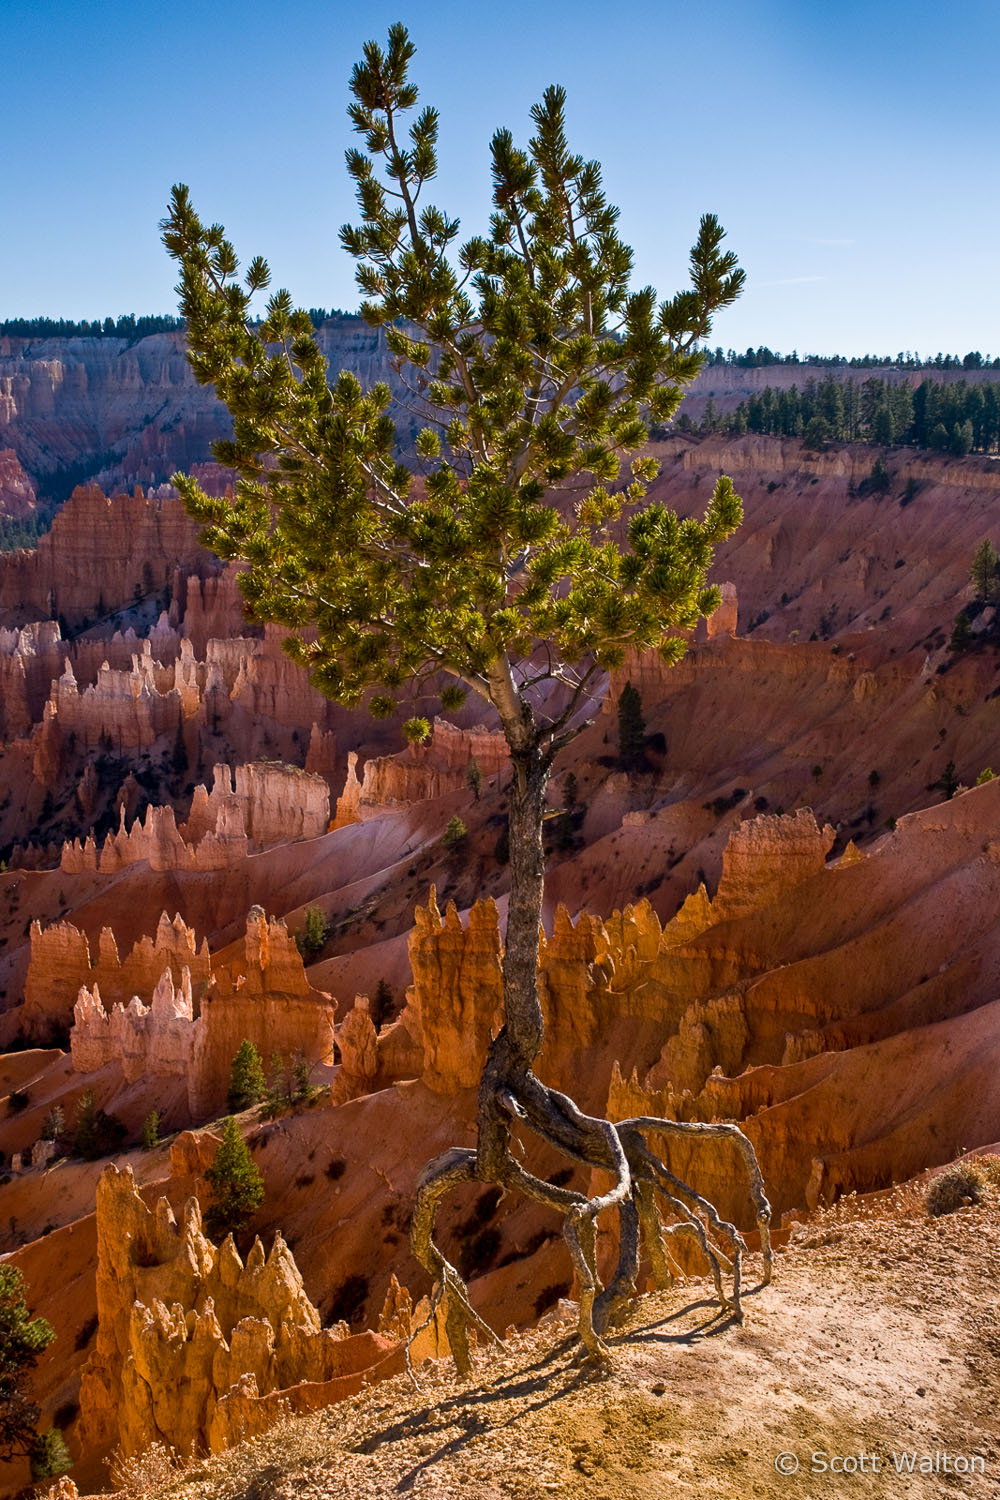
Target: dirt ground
point(876, 1346)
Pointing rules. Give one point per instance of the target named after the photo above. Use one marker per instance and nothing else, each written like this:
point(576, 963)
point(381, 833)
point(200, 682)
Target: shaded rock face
point(190, 1337)
point(61, 964)
point(17, 493)
point(269, 804)
point(261, 805)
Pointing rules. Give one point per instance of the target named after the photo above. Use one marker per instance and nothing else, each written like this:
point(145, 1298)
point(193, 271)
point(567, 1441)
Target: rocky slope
point(877, 1344)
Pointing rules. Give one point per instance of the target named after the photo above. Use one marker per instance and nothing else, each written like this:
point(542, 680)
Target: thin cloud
point(790, 281)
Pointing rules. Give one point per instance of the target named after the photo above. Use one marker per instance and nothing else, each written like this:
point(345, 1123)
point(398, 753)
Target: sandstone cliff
point(194, 1024)
point(190, 1337)
point(421, 772)
point(133, 410)
point(17, 493)
point(99, 551)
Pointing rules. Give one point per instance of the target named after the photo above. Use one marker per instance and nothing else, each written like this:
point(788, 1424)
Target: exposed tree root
point(643, 1191)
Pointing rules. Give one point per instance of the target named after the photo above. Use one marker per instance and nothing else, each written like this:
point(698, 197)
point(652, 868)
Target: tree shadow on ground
point(560, 1371)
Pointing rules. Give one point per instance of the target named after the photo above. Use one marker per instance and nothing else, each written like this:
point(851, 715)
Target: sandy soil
point(880, 1335)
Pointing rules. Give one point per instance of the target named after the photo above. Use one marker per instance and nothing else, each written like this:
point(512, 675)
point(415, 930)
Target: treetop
point(518, 554)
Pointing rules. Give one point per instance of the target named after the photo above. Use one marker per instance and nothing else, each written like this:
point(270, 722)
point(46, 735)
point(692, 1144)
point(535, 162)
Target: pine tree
point(474, 777)
point(537, 363)
point(150, 1136)
point(22, 1340)
point(237, 1187)
point(48, 1455)
point(311, 939)
point(300, 1076)
point(983, 575)
point(94, 1131)
point(382, 1005)
point(54, 1123)
point(947, 782)
point(85, 1141)
point(961, 634)
point(454, 833)
point(247, 1084)
point(631, 727)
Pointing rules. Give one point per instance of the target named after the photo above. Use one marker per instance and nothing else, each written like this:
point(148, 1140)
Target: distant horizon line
point(751, 358)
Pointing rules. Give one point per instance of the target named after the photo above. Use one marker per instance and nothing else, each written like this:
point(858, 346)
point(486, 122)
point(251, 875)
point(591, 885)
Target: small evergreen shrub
point(48, 1455)
point(150, 1136)
point(247, 1084)
point(236, 1184)
point(312, 937)
point(454, 833)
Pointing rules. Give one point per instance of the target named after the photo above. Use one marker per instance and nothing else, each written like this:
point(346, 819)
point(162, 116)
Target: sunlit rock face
point(190, 1336)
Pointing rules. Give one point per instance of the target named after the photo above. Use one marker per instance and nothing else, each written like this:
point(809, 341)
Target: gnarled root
point(642, 1187)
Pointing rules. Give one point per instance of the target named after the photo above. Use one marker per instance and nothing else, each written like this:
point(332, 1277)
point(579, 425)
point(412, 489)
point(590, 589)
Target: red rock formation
point(61, 965)
point(158, 842)
point(723, 621)
point(321, 756)
point(67, 399)
point(100, 551)
point(359, 1060)
point(17, 493)
point(420, 772)
point(276, 802)
point(212, 608)
point(29, 659)
point(131, 709)
point(457, 991)
point(766, 858)
point(195, 1023)
point(190, 1338)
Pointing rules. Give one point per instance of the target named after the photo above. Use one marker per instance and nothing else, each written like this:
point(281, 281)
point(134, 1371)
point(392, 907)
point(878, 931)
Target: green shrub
point(95, 1133)
point(22, 1339)
point(312, 936)
point(955, 1187)
point(454, 833)
point(383, 1004)
point(150, 1136)
point(48, 1455)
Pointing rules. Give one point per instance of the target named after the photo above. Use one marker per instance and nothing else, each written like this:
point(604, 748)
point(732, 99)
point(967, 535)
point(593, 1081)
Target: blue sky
point(849, 148)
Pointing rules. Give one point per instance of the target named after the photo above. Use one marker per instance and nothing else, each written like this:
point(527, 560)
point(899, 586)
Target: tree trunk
point(518, 1043)
point(509, 1091)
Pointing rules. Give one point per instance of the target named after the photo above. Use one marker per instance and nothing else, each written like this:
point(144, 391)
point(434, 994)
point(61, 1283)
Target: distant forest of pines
point(128, 326)
point(959, 418)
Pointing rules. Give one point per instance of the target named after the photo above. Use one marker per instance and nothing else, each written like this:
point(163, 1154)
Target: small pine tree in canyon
point(22, 1339)
point(516, 559)
point(237, 1187)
